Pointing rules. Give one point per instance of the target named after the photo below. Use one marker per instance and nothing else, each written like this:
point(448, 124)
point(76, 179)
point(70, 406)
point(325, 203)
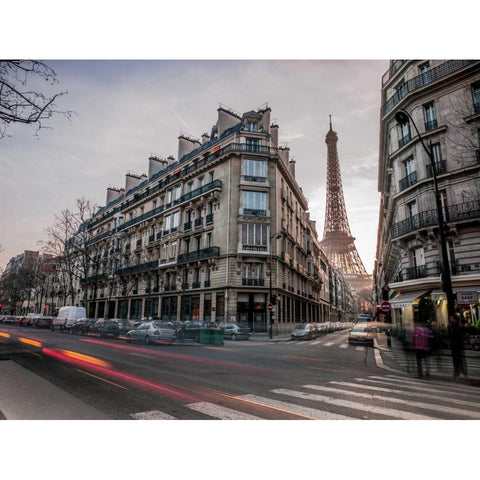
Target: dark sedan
point(190, 330)
point(82, 326)
point(104, 328)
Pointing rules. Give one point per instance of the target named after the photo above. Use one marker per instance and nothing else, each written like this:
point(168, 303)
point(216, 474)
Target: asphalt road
point(52, 375)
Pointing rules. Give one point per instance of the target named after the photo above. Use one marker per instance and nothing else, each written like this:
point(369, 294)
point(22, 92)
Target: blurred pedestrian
point(421, 343)
point(455, 335)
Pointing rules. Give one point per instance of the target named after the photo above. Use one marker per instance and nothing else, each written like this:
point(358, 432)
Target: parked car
point(125, 325)
point(9, 319)
point(364, 334)
point(363, 317)
point(104, 328)
point(234, 331)
point(18, 320)
point(152, 331)
point(304, 331)
point(42, 321)
point(190, 330)
point(82, 326)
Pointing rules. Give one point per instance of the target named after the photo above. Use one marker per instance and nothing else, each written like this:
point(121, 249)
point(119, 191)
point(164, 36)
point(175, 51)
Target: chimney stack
point(186, 145)
point(291, 167)
point(113, 193)
point(226, 119)
point(274, 134)
point(284, 153)
point(205, 138)
point(155, 164)
point(132, 180)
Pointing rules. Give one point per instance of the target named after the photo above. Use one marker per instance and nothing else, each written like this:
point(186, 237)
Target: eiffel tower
point(338, 242)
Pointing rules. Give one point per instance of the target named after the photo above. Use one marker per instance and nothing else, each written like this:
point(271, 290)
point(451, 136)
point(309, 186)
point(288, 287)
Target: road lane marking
point(360, 349)
point(407, 394)
point(222, 413)
point(294, 409)
point(344, 345)
point(329, 344)
point(355, 405)
point(316, 343)
point(428, 406)
point(152, 415)
point(141, 355)
point(102, 379)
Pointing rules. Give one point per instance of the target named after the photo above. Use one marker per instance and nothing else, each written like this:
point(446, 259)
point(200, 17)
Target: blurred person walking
point(421, 343)
point(455, 335)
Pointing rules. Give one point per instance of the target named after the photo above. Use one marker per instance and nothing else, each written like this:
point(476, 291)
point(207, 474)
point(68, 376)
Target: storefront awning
point(406, 299)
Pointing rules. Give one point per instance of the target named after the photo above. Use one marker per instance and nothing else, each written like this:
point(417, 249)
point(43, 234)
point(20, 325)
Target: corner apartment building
point(215, 235)
point(443, 99)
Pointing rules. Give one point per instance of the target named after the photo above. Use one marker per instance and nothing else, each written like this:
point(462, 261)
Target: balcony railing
point(476, 107)
point(440, 168)
point(254, 178)
point(187, 225)
point(421, 80)
point(198, 222)
point(142, 267)
point(253, 282)
point(255, 248)
point(408, 181)
point(199, 254)
point(431, 125)
point(195, 284)
point(429, 218)
point(206, 283)
point(416, 272)
point(404, 140)
point(209, 218)
point(254, 211)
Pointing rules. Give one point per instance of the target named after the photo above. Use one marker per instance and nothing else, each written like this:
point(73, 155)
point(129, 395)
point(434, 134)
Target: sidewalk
point(440, 361)
point(264, 337)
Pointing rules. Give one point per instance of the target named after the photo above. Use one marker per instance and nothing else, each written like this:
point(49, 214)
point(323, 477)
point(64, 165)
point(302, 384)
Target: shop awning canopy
point(406, 299)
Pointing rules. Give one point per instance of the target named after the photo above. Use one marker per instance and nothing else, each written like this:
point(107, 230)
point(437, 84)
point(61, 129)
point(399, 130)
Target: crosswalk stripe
point(222, 413)
point(344, 345)
point(405, 393)
point(316, 343)
point(428, 384)
point(355, 405)
point(152, 415)
point(414, 386)
point(328, 344)
point(362, 349)
point(295, 409)
point(427, 406)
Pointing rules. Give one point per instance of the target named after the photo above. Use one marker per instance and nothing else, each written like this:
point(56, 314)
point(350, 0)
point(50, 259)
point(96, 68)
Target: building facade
point(443, 99)
point(214, 235)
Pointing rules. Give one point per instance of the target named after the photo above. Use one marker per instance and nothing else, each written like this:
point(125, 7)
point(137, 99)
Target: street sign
point(385, 306)
point(270, 307)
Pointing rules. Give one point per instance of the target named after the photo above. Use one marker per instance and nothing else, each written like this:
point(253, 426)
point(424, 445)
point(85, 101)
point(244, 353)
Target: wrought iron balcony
point(419, 81)
point(254, 178)
point(416, 272)
point(429, 218)
point(151, 238)
point(142, 267)
point(209, 218)
point(187, 225)
point(431, 125)
point(206, 283)
point(199, 254)
point(253, 282)
point(195, 284)
point(404, 140)
point(254, 211)
point(440, 168)
point(198, 222)
point(408, 181)
point(476, 107)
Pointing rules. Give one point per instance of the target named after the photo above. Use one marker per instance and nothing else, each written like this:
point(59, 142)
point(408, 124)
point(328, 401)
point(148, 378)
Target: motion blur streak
point(3, 334)
point(177, 356)
point(119, 375)
point(28, 341)
point(86, 358)
point(102, 379)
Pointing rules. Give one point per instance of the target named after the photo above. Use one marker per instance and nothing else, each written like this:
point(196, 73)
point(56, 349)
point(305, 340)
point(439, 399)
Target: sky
point(124, 110)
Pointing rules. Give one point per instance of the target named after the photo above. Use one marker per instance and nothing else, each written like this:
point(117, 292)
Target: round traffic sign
point(386, 306)
point(270, 307)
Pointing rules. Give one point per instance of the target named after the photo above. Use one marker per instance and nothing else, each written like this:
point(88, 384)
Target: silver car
point(304, 332)
point(235, 332)
point(152, 332)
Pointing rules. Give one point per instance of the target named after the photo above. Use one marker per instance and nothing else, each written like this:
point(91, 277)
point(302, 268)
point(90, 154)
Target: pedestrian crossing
point(434, 363)
point(373, 397)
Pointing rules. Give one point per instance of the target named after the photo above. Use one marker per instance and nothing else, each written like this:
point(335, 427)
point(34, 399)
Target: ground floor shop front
point(249, 308)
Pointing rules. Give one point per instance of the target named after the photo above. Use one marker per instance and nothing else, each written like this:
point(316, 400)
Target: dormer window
point(252, 126)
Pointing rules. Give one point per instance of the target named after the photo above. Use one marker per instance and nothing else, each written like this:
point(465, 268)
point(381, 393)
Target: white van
point(67, 316)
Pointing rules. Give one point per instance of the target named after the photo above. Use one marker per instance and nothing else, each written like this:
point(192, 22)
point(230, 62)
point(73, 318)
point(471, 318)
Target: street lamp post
point(270, 328)
point(402, 116)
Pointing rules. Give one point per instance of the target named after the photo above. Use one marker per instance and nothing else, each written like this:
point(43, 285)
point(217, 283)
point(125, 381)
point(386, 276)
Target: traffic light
point(385, 291)
point(273, 299)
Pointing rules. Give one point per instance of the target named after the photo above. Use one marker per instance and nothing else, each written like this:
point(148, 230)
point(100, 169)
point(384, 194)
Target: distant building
point(217, 234)
point(443, 98)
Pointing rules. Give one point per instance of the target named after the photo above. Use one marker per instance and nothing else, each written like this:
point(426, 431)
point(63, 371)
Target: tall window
point(253, 274)
point(254, 170)
point(426, 73)
point(476, 97)
point(254, 203)
point(175, 220)
point(405, 135)
point(177, 192)
point(430, 116)
point(252, 144)
point(255, 237)
point(167, 223)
